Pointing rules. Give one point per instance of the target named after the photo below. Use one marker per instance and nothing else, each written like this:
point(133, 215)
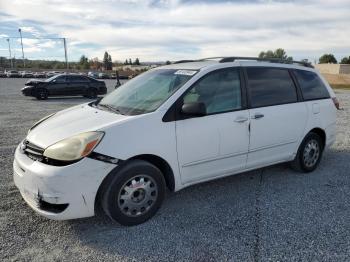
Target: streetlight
point(20, 33)
point(8, 41)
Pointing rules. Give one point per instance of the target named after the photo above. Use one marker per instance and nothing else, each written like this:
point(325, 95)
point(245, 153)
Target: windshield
point(52, 78)
point(146, 92)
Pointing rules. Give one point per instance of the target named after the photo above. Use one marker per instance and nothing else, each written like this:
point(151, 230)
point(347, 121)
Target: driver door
point(57, 86)
point(216, 144)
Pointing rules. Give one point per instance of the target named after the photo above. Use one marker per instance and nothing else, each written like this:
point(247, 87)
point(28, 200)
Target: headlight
point(75, 147)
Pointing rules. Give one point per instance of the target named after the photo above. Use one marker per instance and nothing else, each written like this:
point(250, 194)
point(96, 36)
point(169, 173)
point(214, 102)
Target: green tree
point(130, 62)
point(126, 62)
point(105, 60)
point(110, 63)
point(279, 53)
point(137, 61)
point(84, 62)
point(345, 60)
point(327, 59)
point(167, 62)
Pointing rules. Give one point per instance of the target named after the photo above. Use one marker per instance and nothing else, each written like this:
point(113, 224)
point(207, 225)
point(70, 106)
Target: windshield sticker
point(185, 72)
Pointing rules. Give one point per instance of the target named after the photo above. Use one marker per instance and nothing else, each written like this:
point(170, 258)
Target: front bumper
point(27, 91)
point(72, 189)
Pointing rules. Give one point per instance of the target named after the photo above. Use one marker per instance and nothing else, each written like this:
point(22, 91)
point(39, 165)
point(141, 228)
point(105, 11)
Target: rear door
point(216, 144)
point(277, 115)
point(80, 85)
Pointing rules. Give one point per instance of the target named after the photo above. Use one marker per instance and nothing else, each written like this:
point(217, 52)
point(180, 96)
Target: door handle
point(258, 116)
point(241, 119)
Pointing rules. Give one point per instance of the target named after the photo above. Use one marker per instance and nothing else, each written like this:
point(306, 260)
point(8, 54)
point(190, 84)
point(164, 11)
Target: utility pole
point(20, 33)
point(8, 41)
point(65, 52)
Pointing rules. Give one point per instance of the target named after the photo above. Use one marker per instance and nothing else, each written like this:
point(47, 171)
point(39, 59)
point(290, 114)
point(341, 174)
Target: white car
point(173, 127)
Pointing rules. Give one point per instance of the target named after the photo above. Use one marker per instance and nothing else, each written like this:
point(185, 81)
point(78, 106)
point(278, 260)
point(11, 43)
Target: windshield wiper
point(110, 108)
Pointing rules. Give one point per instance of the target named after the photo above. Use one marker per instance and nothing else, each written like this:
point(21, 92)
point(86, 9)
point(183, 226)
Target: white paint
point(197, 149)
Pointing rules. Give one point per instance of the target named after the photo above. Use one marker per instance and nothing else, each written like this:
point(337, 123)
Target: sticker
point(185, 72)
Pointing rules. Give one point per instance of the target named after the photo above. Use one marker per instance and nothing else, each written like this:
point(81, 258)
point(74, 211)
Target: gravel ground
point(272, 214)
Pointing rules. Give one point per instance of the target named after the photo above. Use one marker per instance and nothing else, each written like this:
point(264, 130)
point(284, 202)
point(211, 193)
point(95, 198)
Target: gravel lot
point(270, 214)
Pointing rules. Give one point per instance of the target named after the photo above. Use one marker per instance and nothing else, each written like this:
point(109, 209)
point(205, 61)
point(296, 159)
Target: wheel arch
point(319, 131)
point(159, 162)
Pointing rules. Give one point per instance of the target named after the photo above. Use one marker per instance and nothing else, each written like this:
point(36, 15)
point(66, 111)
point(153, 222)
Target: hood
point(34, 81)
point(70, 122)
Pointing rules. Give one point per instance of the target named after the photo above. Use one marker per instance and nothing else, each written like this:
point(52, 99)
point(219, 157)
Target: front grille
point(32, 151)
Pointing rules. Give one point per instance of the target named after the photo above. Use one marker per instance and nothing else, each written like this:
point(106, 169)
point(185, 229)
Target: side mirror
point(194, 109)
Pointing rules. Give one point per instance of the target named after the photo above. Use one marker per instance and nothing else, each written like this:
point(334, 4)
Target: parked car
point(64, 85)
point(49, 74)
point(113, 76)
point(12, 73)
point(174, 126)
point(93, 74)
point(39, 75)
point(2, 74)
point(27, 74)
point(103, 76)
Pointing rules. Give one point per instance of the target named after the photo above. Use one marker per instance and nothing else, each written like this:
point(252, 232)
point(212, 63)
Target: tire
point(134, 193)
point(42, 94)
point(309, 153)
point(91, 93)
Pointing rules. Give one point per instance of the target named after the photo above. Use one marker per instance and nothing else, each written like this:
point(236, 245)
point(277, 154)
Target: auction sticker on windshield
point(185, 72)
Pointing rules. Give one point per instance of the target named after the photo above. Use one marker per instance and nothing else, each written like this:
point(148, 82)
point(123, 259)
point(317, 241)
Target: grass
point(334, 86)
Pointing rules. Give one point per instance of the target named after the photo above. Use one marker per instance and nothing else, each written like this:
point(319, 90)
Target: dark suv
point(64, 85)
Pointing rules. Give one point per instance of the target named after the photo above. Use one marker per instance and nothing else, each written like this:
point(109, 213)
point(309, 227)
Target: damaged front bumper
point(60, 192)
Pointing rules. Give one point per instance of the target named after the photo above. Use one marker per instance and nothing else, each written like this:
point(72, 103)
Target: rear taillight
point(336, 103)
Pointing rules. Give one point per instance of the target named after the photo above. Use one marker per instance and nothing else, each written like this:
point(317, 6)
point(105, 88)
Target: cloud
point(176, 29)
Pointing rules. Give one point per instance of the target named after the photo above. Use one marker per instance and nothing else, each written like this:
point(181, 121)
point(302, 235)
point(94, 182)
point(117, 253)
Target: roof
point(190, 65)
point(199, 64)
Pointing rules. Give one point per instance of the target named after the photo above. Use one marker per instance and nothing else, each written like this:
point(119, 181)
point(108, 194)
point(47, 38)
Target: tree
point(278, 53)
point(137, 61)
point(110, 63)
point(84, 62)
point(167, 62)
point(345, 60)
point(126, 62)
point(327, 59)
point(130, 62)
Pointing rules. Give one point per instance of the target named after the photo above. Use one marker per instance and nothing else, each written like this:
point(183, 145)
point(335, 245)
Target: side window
point(220, 91)
point(60, 79)
point(311, 85)
point(77, 79)
point(270, 86)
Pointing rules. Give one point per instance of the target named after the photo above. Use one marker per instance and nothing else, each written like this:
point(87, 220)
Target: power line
point(39, 38)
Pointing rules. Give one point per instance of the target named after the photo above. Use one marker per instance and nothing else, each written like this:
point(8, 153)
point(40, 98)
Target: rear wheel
point(42, 94)
point(134, 194)
point(309, 153)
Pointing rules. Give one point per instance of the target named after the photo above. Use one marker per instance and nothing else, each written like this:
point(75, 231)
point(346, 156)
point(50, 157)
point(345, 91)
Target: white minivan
point(171, 127)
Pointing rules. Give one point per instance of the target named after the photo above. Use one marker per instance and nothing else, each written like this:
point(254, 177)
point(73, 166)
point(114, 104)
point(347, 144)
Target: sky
point(160, 30)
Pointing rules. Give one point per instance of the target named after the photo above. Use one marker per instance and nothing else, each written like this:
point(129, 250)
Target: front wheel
point(309, 153)
point(42, 94)
point(134, 194)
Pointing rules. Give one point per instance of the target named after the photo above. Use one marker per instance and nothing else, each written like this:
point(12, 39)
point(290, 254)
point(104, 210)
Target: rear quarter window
point(311, 85)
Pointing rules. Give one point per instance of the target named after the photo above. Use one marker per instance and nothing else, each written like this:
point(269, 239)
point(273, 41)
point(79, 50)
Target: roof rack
point(184, 61)
point(271, 60)
point(223, 59)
